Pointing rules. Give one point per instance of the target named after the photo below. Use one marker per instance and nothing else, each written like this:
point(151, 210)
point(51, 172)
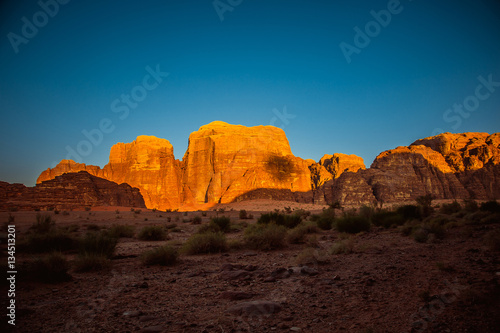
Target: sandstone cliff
point(225, 163)
point(69, 191)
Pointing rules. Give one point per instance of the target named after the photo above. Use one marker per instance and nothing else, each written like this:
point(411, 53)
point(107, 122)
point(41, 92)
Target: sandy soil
point(390, 283)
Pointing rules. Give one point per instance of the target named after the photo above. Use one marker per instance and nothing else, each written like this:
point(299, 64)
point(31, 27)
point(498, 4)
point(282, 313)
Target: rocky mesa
point(69, 191)
point(225, 163)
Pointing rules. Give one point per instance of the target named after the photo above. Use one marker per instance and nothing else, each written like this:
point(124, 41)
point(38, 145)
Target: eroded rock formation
point(70, 191)
point(225, 163)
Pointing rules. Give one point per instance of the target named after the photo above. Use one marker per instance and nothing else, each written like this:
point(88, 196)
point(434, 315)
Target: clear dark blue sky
point(70, 75)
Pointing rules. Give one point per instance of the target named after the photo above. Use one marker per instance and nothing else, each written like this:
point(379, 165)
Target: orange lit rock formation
point(225, 163)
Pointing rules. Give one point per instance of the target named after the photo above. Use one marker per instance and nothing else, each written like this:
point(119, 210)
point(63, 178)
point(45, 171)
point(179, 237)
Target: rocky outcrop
point(226, 161)
point(69, 191)
point(337, 164)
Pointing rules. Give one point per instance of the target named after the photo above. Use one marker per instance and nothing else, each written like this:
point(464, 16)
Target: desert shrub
point(344, 246)
point(289, 221)
point(54, 240)
point(87, 209)
point(152, 233)
point(450, 208)
point(492, 240)
point(49, 269)
point(420, 235)
point(491, 218)
point(163, 256)
point(44, 223)
point(243, 214)
point(209, 242)
point(311, 256)
point(98, 243)
point(196, 219)
point(490, 206)
point(56, 211)
point(425, 201)
point(203, 214)
point(93, 227)
point(87, 262)
point(297, 234)
point(222, 222)
point(65, 213)
point(352, 224)
point(325, 222)
point(409, 212)
point(265, 237)
point(387, 219)
point(117, 211)
point(137, 211)
point(366, 212)
point(304, 214)
point(470, 205)
point(335, 205)
point(120, 230)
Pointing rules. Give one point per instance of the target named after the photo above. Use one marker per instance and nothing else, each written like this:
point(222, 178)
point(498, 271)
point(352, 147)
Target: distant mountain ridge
point(225, 163)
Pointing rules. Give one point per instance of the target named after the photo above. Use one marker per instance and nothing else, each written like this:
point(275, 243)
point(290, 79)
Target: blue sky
point(72, 73)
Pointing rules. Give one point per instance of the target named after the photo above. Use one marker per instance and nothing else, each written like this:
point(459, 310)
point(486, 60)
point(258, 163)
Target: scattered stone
point(255, 308)
point(132, 314)
point(309, 271)
point(281, 273)
point(295, 329)
point(269, 279)
point(235, 275)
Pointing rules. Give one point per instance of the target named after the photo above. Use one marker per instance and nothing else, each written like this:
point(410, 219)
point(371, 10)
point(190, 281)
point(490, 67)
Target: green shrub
point(209, 242)
point(87, 262)
point(54, 240)
point(197, 219)
point(470, 205)
point(152, 233)
point(50, 269)
point(410, 212)
point(120, 230)
point(325, 222)
point(450, 208)
point(44, 223)
point(344, 246)
point(265, 237)
point(366, 212)
point(421, 235)
point(311, 256)
point(297, 234)
point(387, 219)
point(425, 201)
point(352, 224)
point(98, 243)
point(163, 256)
point(289, 221)
point(243, 214)
point(222, 222)
point(93, 227)
point(490, 206)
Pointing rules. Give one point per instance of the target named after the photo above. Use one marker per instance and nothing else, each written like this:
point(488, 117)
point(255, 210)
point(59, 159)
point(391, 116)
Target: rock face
point(226, 163)
point(337, 164)
point(70, 191)
point(147, 163)
point(448, 166)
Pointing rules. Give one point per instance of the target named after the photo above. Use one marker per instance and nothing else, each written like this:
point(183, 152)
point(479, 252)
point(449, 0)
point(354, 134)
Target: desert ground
point(381, 280)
